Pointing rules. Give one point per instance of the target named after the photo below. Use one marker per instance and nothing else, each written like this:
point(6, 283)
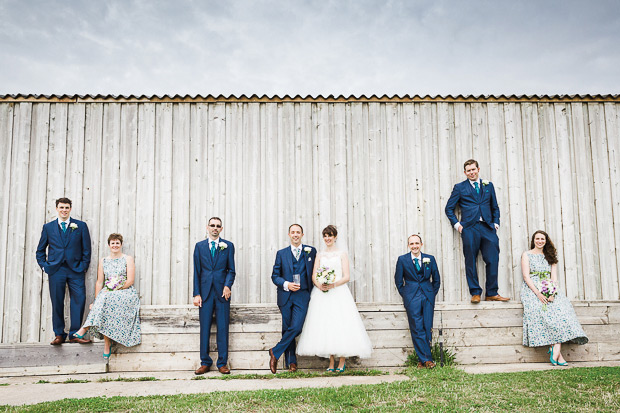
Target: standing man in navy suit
point(63, 254)
point(292, 274)
point(214, 275)
point(417, 280)
point(478, 227)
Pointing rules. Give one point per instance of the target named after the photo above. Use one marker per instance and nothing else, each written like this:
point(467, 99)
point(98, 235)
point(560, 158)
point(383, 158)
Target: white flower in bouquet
point(325, 275)
point(114, 283)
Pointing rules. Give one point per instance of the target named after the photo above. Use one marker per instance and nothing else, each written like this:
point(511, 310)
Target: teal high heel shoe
point(553, 362)
point(331, 370)
point(344, 366)
point(563, 364)
point(80, 336)
point(106, 357)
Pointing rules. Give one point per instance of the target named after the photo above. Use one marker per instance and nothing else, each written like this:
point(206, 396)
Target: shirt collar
point(418, 257)
point(68, 220)
point(217, 241)
point(472, 182)
point(293, 248)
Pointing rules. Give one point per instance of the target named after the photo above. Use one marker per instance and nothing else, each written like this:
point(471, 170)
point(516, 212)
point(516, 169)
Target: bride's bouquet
point(325, 275)
point(548, 288)
point(113, 283)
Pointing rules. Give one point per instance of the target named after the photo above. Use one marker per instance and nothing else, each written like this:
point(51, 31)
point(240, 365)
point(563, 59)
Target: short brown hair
point(295, 225)
point(217, 218)
point(330, 230)
point(415, 235)
point(63, 201)
point(470, 162)
point(115, 236)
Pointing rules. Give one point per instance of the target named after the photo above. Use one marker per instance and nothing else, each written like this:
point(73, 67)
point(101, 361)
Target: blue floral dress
point(558, 323)
point(116, 314)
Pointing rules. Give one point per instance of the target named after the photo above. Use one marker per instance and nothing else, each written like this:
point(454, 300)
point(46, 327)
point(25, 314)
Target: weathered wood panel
point(380, 171)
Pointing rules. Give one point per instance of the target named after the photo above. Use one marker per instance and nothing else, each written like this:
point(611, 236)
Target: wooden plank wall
point(379, 171)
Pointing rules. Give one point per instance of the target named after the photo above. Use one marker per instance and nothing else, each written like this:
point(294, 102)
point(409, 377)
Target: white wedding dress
point(333, 326)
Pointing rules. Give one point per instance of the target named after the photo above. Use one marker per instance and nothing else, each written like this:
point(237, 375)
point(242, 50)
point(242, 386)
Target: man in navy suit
point(478, 227)
point(294, 261)
point(417, 280)
point(64, 254)
point(214, 275)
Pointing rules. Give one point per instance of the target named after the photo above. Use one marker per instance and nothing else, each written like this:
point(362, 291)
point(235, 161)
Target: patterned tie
point(64, 226)
point(213, 248)
point(417, 264)
point(297, 250)
point(477, 188)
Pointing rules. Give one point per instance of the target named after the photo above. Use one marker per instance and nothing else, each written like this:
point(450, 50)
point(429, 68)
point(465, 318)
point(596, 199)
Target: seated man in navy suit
point(417, 280)
point(64, 254)
point(478, 228)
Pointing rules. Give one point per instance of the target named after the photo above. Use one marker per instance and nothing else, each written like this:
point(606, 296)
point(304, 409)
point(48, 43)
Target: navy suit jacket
point(218, 271)
point(283, 270)
point(72, 247)
point(408, 281)
point(473, 205)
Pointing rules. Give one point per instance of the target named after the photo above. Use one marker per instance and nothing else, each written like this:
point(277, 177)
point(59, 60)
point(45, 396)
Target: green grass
point(70, 381)
point(449, 358)
point(42, 382)
point(447, 389)
point(289, 375)
point(108, 379)
point(4, 384)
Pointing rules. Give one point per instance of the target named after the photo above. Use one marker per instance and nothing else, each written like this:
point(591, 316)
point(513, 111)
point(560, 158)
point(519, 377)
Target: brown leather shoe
point(496, 298)
point(292, 367)
point(202, 370)
point(80, 340)
point(273, 362)
point(475, 299)
point(429, 365)
point(58, 340)
point(420, 365)
point(224, 370)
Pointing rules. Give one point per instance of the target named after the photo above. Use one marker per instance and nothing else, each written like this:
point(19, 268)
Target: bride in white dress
point(333, 327)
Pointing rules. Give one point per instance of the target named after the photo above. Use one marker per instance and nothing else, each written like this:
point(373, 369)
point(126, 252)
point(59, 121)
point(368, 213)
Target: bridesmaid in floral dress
point(114, 316)
point(547, 321)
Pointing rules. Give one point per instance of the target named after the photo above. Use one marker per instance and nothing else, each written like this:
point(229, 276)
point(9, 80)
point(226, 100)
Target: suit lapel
point(210, 258)
point(218, 251)
point(69, 232)
point(411, 265)
point(289, 257)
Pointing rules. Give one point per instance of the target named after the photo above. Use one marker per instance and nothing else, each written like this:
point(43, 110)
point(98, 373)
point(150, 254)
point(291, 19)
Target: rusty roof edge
point(308, 98)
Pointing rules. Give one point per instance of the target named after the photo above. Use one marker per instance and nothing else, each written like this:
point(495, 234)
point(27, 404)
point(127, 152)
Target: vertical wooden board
point(16, 234)
point(110, 174)
point(234, 196)
point(603, 202)
point(396, 212)
point(6, 136)
point(197, 183)
point(452, 131)
point(551, 183)
point(590, 261)
point(359, 137)
point(567, 195)
point(356, 274)
point(145, 201)
point(269, 184)
point(533, 169)
point(412, 173)
point(322, 171)
point(162, 227)
point(180, 242)
point(612, 126)
point(251, 201)
point(288, 140)
point(303, 200)
point(128, 179)
point(74, 165)
point(517, 222)
point(91, 189)
point(376, 195)
point(35, 216)
point(499, 178)
point(216, 180)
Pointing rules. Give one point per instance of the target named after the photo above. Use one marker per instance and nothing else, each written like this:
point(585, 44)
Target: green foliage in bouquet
point(448, 357)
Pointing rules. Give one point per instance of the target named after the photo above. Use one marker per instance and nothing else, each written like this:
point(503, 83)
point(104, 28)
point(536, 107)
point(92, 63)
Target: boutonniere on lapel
point(223, 246)
point(308, 250)
point(73, 226)
point(485, 182)
point(426, 261)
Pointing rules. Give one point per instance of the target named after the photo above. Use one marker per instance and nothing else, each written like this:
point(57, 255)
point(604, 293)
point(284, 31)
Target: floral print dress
point(558, 322)
point(116, 314)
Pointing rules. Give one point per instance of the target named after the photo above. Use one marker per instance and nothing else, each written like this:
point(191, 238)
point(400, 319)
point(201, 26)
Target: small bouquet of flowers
point(113, 283)
point(548, 288)
point(325, 275)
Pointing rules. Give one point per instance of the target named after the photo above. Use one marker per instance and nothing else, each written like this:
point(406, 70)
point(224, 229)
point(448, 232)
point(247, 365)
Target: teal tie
point(477, 188)
point(64, 226)
point(213, 248)
point(417, 263)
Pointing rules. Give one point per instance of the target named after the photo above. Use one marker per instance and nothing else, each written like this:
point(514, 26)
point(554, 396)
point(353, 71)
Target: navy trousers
point(77, 295)
point(212, 304)
point(293, 317)
point(481, 238)
point(420, 315)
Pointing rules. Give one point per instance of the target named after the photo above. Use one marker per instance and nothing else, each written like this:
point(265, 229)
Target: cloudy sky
point(309, 47)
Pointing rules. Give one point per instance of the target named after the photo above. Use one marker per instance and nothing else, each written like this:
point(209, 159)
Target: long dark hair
point(551, 254)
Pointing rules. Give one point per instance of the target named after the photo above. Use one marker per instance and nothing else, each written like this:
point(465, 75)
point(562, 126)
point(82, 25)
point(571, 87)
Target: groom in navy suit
point(478, 227)
point(293, 294)
point(417, 280)
point(214, 275)
point(64, 254)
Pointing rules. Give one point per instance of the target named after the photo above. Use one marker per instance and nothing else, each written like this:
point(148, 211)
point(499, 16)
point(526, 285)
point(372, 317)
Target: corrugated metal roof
point(307, 98)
